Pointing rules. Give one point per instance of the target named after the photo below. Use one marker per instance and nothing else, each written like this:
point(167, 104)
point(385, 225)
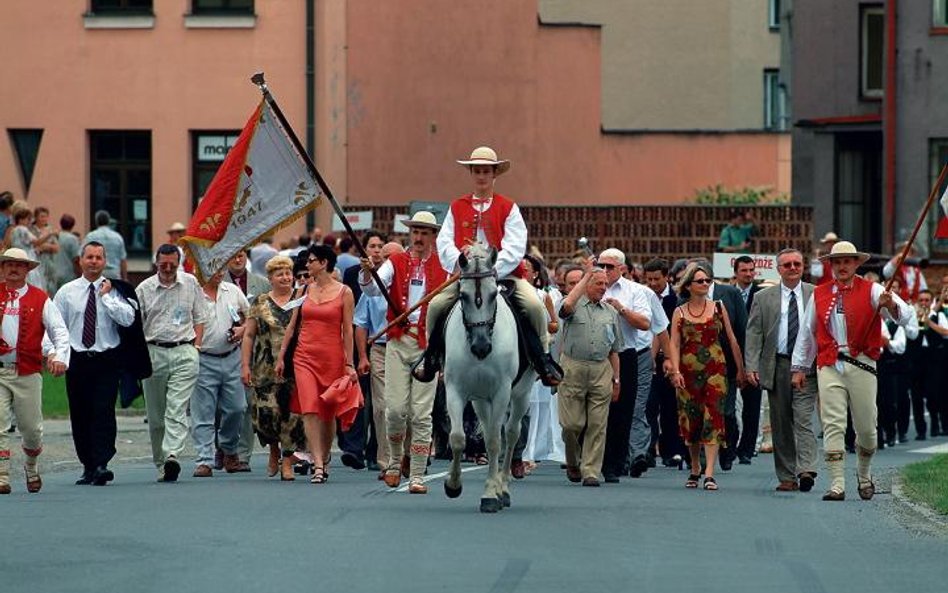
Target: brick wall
point(644, 232)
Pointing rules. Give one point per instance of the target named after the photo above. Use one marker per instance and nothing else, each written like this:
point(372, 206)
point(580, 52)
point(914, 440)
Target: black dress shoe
point(102, 476)
point(639, 466)
point(727, 464)
point(610, 478)
point(352, 460)
point(744, 460)
point(920, 437)
point(85, 479)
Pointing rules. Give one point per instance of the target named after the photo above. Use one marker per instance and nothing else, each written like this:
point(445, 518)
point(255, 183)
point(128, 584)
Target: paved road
point(244, 532)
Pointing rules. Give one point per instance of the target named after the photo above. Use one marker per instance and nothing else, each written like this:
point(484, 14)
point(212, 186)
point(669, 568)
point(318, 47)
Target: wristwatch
point(615, 380)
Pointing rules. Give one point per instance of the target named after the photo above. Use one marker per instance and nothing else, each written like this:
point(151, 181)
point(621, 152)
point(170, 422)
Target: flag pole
point(404, 316)
point(258, 80)
point(908, 244)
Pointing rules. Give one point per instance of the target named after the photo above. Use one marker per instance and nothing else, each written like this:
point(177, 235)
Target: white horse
point(481, 365)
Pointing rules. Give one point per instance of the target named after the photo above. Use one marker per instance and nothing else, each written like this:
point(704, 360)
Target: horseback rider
point(496, 221)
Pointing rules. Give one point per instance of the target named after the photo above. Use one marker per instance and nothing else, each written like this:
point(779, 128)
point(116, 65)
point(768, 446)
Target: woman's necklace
point(704, 307)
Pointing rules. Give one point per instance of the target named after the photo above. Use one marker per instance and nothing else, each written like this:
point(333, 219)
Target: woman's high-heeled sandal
point(710, 483)
point(692, 481)
point(319, 476)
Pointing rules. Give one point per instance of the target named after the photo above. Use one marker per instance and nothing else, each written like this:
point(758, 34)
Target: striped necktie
point(793, 323)
point(89, 319)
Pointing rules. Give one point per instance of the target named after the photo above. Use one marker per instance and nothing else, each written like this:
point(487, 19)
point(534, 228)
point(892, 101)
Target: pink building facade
point(136, 111)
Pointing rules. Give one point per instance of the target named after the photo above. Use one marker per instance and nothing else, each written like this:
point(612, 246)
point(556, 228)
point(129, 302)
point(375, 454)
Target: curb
point(934, 522)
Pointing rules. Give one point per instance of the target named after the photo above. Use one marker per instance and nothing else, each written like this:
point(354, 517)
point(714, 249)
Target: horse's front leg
point(492, 424)
point(455, 405)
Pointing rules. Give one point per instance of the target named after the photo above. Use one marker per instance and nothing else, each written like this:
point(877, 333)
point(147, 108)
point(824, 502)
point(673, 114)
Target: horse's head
point(478, 295)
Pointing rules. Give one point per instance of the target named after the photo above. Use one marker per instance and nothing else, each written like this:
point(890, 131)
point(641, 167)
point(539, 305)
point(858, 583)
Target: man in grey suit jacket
point(771, 335)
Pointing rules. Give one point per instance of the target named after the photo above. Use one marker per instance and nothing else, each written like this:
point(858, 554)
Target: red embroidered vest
point(29, 341)
point(492, 221)
point(859, 313)
point(909, 293)
point(434, 277)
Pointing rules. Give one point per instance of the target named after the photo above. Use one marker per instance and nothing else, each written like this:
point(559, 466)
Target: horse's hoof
point(505, 499)
point(452, 492)
point(490, 505)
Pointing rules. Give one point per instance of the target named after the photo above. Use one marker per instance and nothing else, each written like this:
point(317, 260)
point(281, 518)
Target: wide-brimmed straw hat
point(423, 219)
point(845, 249)
point(177, 228)
point(17, 254)
point(485, 155)
point(829, 237)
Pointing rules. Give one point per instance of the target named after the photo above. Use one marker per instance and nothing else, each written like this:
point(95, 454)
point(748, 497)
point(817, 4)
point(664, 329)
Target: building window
point(26, 144)
point(121, 184)
point(872, 51)
point(208, 150)
point(775, 101)
point(118, 7)
point(773, 14)
point(236, 7)
point(940, 13)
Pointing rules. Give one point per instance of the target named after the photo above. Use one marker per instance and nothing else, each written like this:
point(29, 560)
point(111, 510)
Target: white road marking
point(439, 475)
point(942, 448)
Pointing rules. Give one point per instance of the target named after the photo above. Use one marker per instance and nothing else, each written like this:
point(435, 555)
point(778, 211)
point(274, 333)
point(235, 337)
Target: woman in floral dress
point(699, 370)
point(273, 422)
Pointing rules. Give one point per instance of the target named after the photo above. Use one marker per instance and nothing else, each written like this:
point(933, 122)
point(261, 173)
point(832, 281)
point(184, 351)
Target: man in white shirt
point(116, 263)
point(841, 332)
point(173, 318)
point(93, 312)
point(626, 418)
point(21, 359)
point(218, 385)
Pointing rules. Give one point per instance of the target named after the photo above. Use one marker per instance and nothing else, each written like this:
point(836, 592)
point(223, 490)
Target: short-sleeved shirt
point(169, 313)
point(114, 250)
point(230, 301)
point(735, 236)
point(634, 297)
point(591, 332)
point(370, 314)
point(65, 257)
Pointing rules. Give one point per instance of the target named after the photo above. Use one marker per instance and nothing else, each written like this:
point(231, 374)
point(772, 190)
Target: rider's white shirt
point(512, 247)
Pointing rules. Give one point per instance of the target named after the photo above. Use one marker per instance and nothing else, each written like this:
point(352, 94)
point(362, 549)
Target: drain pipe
point(889, 120)
point(311, 95)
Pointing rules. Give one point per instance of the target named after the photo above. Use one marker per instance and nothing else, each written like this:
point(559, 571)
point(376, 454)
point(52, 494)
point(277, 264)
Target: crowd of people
point(314, 345)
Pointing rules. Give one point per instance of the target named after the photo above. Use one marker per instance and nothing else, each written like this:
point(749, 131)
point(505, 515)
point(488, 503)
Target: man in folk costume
point(911, 279)
point(27, 314)
point(840, 330)
point(409, 276)
point(496, 221)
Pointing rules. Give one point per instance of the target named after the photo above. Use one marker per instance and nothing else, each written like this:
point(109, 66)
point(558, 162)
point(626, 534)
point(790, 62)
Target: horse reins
point(479, 300)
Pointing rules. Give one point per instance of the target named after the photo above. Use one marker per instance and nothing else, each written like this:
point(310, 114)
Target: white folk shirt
point(512, 247)
point(417, 283)
point(784, 309)
point(56, 331)
point(633, 297)
point(941, 321)
point(804, 353)
point(230, 301)
point(910, 272)
point(112, 310)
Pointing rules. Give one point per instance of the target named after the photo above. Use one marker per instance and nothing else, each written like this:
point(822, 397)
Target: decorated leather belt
point(856, 363)
point(171, 344)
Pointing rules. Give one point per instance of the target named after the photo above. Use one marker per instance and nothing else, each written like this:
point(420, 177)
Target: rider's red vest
point(492, 221)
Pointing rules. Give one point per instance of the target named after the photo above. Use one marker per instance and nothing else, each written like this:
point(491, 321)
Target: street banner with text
point(765, 265)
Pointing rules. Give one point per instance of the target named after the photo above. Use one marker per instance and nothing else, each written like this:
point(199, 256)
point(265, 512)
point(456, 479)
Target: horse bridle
point(478, 301)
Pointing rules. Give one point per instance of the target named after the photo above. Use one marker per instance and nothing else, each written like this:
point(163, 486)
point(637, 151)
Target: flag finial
point(258, 80)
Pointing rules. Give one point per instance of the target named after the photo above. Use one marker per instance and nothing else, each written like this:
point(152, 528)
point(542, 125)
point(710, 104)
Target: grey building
point(870, 113)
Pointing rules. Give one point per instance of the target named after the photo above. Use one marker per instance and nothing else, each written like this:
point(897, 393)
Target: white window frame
point(773, 13)
point(865, 91)
point(939, 13)
point(775, 101)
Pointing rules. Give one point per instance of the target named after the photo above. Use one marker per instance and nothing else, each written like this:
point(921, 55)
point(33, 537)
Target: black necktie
point(89, 319)
point(793, 323)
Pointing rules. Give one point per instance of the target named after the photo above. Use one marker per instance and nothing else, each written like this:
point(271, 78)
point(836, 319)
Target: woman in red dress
point(327, 386)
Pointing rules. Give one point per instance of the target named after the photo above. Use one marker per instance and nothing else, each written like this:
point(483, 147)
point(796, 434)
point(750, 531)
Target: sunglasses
point(791, 264)
point(312, 260)
point(607, 266)
point(702, 281)
point(302, 276)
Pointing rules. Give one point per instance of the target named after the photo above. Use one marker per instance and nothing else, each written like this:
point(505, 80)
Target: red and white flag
point(263, 185)
point(941, 232)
